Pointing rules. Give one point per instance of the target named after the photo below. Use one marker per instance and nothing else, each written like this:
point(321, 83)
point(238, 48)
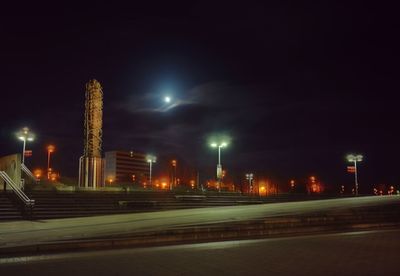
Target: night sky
point(296, 87)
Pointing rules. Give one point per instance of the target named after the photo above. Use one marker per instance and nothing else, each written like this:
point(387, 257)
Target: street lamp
point(25, 135)
point(150, 159)
point(355, 158)
point(173, 183)
point(50, 150)
point(249, 177)
point(219, 166)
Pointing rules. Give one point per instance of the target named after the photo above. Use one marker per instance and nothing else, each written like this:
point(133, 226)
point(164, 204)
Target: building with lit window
point(125, 167)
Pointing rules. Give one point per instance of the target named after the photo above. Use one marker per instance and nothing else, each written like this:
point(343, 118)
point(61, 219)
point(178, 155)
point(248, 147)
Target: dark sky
point(296, 87)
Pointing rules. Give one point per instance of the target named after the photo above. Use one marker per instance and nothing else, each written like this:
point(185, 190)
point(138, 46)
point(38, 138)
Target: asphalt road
point(356, 253)
point(20, 233)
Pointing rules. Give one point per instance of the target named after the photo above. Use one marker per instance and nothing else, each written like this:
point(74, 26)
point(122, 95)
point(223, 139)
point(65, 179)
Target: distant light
point(151, 159)
point(50, 148)
point(25, 135)
point(221, 145)
point(354, 158)
point(249, 176)
point(167, 99)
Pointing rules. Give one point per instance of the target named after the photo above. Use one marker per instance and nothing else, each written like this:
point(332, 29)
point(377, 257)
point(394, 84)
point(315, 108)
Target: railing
point(28, 204)
point(28, 172)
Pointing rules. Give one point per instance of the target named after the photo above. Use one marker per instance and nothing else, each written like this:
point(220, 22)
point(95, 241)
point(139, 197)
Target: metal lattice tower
point(93, 119)
point(91, 164)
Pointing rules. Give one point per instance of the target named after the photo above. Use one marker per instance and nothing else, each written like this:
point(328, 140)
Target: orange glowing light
point(38, 173)
point(51, 148)
point(53, 177)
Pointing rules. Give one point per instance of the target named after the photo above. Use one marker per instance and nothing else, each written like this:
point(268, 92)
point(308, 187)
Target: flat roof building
point(125, 167)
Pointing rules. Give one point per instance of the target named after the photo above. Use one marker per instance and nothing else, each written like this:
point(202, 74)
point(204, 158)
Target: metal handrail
point(21, 195)
point(28, 172)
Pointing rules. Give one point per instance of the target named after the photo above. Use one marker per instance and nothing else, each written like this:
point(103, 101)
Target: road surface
point(356, 253)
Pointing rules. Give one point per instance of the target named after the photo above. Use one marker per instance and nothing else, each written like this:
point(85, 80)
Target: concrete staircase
point(57, 204)
point(54, 204)
point(8, 209)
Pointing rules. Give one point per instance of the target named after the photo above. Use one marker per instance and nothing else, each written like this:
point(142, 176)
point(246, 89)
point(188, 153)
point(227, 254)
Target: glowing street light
point(219, 166)
point(37, 173)
point(249, 177)
point(173, 182)
point(355, 158)
point(150, 159)
point(25, 135)
point(50, 150)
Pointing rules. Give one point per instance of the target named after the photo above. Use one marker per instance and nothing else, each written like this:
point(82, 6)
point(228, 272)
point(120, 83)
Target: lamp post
point(150, 159)
point(173, 183)
point(249, 177)
point(25, 135)
point(50, 150)
point(355, 158)
point(219, 166)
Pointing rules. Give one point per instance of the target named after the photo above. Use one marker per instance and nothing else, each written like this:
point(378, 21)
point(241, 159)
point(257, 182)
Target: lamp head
point(350, 157)
point(25, 135)
point(354, 157)
point(151, 159)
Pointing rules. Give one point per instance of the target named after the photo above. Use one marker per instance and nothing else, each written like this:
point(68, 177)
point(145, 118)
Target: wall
point(11, 164)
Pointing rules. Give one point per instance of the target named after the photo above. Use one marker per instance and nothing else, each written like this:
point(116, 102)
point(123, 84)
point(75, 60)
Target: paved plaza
point(22, 233)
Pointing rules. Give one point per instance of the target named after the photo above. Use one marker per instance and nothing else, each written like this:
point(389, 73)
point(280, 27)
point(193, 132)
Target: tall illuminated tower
point(91, 163)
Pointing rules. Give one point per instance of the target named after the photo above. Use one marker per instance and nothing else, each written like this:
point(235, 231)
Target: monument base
point(91, 172)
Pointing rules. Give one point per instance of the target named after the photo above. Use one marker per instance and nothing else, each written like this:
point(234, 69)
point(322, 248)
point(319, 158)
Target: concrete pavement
point(357, 253)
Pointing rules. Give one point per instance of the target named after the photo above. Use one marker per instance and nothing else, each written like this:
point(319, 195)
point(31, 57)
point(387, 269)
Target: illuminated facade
point(126, 167)
point(91, 164)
